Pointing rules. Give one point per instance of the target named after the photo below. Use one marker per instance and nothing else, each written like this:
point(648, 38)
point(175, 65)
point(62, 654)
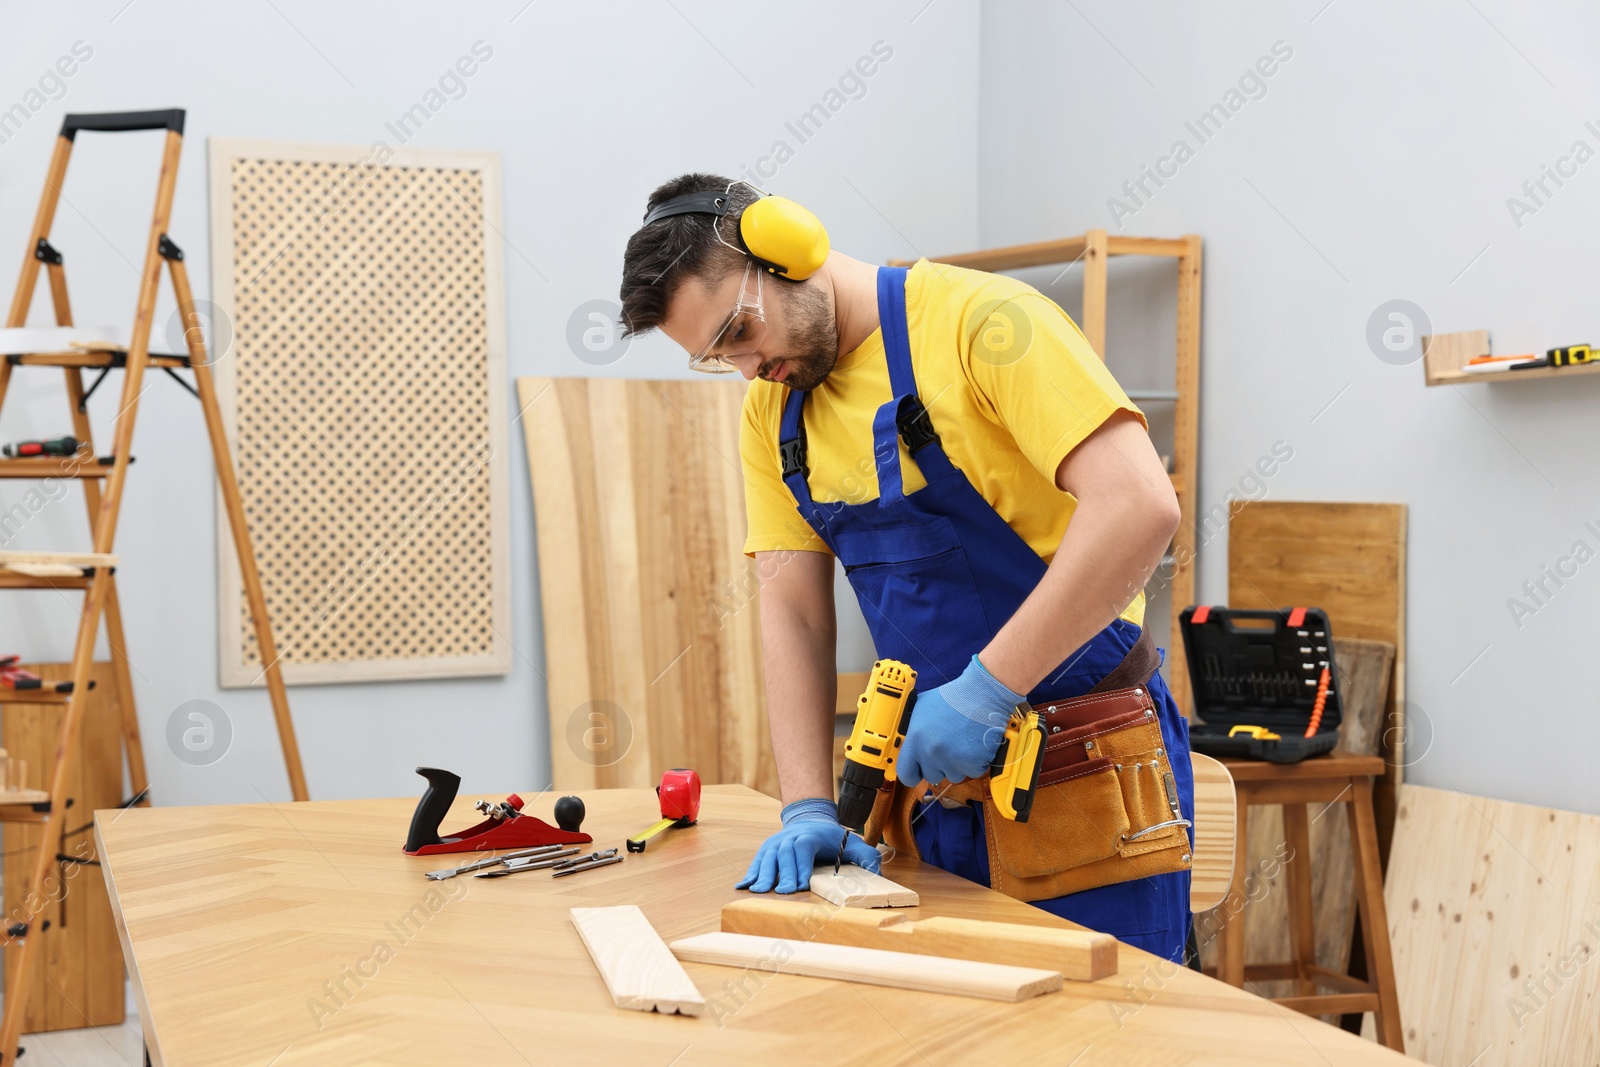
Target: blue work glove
point(811, 832)
point(957, 728)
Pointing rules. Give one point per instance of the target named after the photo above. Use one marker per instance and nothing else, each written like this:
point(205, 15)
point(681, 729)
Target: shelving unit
point(1094, 248)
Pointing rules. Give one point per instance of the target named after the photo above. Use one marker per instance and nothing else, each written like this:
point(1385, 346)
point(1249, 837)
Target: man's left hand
point(957, 728)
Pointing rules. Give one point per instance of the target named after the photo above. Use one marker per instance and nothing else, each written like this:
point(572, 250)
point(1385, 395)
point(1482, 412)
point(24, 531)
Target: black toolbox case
point(1260, 668)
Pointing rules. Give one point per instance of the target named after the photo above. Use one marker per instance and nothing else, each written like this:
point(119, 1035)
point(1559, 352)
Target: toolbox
point(1256, 674)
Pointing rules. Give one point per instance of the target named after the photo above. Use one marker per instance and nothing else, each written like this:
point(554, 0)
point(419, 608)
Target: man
point(1031, 476)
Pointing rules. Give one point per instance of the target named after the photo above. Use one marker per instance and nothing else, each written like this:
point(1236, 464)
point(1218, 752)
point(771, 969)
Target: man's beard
point(812, 341)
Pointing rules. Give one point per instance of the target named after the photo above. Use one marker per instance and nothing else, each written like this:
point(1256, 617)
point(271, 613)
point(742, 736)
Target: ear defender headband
point(783, 237)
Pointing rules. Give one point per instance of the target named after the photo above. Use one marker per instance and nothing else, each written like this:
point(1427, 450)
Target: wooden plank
point(651, 612)
point(1013, 257)
point(1349, 559)
point(76, 560)
point(903, 970)
point(372, 449)
point(1495, 914)
point(857, 887)
point(1077, 955)
point(80, 981)
point(1444, 354)
point(1185, 462)
point(639, 970)
point(1215, 823)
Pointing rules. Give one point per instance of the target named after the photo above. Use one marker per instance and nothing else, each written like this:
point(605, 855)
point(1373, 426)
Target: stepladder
point(73, 349)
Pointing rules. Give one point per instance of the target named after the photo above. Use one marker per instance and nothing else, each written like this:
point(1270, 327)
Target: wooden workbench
point(290, 934)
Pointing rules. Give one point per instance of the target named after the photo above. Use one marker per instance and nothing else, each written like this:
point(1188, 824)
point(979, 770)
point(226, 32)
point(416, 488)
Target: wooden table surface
point(273, 935)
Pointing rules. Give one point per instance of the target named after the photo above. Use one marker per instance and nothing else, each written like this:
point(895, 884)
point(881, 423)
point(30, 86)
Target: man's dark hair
point(661, 255)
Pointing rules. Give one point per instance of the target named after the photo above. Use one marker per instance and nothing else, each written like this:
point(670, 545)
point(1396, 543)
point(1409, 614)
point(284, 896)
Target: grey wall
point(1375, 164)
point(589, 107)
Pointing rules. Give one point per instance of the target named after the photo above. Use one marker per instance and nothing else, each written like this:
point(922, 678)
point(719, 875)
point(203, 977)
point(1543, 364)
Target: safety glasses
point(742, 333)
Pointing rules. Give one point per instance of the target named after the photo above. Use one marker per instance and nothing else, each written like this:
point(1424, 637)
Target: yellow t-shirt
point(1009, 381)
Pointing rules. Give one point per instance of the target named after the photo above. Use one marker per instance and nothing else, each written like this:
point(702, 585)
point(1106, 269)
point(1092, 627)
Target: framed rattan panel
point(360, 336)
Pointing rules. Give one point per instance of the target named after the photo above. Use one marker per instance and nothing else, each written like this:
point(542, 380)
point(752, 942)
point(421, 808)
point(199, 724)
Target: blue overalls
point(938, 573)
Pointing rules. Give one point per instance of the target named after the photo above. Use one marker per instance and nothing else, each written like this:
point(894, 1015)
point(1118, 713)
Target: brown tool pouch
point(1106, 809)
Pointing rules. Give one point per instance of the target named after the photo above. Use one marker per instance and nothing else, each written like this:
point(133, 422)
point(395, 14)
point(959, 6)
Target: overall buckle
point(793, 454)
point(916, 427)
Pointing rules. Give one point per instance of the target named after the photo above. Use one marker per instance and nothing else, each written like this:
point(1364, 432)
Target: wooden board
point(651, 620)
point(1215, 833)
point(1363, 675)
point(1077, 955)
point(857, 887)
point(362, 380)
point(304, 892)
point(1494, 910)
point(81, 982)
point(1349, 559)
point(903, 970)
point(639, 970)
point(76, 560)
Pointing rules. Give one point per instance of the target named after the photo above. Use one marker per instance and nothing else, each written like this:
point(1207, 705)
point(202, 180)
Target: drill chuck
point(858, 791)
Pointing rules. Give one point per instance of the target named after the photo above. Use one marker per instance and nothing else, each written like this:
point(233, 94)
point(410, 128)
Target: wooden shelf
point(24, 796)
point(44, 695)
point(1532, 375)
point(91, 359)
point(74, 466)
point(1443, 356)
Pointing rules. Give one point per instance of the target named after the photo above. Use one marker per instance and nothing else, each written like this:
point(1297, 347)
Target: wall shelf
point(1443, 356)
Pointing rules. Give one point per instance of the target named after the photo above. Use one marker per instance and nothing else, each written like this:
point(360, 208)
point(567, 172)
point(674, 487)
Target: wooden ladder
point(103, 479)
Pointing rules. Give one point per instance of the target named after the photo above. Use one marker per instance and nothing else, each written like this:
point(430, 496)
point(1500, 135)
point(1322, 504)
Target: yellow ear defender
point(783, 237)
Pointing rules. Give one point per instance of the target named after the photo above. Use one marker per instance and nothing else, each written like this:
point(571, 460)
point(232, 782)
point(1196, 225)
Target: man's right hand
point(811, 832)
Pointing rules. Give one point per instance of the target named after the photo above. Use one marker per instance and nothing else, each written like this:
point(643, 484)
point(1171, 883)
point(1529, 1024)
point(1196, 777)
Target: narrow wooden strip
point(1079, 955)
point(857, 887)
point(903, 970)
point(639, 971)
point(75, 559)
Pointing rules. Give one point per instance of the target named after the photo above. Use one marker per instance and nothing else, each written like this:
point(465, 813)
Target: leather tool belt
point(1106, 809)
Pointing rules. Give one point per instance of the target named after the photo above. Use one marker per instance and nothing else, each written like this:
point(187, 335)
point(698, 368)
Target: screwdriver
point(56, 446)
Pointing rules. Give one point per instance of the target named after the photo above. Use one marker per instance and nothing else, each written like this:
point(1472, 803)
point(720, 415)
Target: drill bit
point(839, 858)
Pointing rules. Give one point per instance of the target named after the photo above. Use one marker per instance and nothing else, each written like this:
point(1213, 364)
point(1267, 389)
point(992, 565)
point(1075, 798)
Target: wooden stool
point(1337, 778)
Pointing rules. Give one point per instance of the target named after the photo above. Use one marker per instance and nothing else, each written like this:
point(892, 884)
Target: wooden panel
point(1349, 559)
point(639, 970)
point(857, 887)
point(302, 892)
point(81, 981)
point(930, 974)
point(1214, 829)
point(651, 614)
point(1363, 677)
point(1494, 910)
point(364, 394)
point(1443, 356)
point(1078, 955)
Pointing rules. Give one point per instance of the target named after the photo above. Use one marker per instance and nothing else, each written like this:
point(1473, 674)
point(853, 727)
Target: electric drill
point(882, 715)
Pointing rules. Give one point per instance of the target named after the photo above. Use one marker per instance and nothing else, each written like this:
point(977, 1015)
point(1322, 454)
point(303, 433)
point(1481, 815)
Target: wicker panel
point(364, 391)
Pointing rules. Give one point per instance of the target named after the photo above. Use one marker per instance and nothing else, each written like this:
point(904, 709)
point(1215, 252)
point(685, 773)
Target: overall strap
point(903, 417)
point(792, 449)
